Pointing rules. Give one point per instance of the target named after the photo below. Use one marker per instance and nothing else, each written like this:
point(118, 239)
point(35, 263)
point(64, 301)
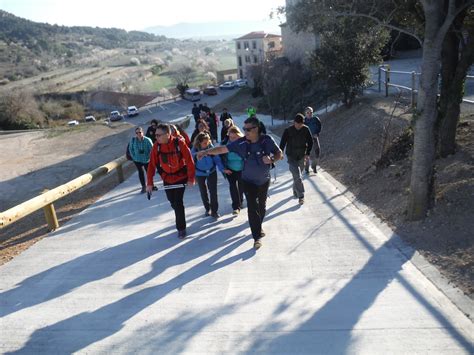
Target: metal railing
point(46, 199)
point(412, 88)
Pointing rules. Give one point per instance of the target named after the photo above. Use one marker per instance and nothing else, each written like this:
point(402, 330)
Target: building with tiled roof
point(253, 49)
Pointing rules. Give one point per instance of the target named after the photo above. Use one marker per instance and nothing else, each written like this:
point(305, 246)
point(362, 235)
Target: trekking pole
point(166, 187)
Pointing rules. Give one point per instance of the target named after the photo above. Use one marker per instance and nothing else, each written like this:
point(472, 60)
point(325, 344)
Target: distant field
point(227, 61)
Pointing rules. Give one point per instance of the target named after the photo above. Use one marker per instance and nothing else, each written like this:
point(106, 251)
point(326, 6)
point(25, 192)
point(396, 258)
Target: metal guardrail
point(386, 69)
point(45, 200)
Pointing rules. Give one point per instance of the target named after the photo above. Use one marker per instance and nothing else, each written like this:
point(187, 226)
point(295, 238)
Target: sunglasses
point(139, 132)
point(249, 129)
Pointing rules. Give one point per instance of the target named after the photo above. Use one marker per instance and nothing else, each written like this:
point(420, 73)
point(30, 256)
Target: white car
point(228, 85)
point(240, 82)
point(73, 123)
point(132, 111)
point(89, 119)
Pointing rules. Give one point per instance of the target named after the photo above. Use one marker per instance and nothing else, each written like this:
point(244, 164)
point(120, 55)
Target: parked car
point(132, 111)
point(90, 119)
point(228, 85)
point(210, 90)
point(73, 123)
point(240, 82)
point(115, 116)
point(192, 95)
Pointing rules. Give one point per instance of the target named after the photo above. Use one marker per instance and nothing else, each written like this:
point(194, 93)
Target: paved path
point(327, 280)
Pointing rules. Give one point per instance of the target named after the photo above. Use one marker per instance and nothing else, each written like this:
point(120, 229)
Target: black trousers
point(142, 168)
point(235, 187)
point(175, 197)
point(209, 189)
point(256, 205)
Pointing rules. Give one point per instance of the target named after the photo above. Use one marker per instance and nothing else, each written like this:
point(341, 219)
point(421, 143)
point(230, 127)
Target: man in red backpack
point(172, 158)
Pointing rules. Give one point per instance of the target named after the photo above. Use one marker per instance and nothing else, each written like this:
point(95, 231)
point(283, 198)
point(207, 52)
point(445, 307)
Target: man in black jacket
point(298, 142)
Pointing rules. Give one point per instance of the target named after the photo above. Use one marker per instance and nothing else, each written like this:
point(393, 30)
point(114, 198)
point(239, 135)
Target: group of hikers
point(243, 158)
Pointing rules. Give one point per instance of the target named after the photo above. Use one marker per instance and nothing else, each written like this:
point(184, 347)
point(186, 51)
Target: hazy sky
point(138, 14)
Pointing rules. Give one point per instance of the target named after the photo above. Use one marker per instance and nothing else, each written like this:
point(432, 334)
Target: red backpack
point(171, 163)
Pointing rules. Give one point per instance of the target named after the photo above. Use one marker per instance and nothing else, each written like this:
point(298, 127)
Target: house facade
point(253, 49)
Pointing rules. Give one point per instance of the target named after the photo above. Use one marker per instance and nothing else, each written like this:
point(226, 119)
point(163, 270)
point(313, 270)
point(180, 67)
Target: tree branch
point(451, 16)
point(382, 23)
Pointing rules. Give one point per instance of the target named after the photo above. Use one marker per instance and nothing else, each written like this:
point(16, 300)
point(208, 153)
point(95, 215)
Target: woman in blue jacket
point(233, 169)
point(206, 172)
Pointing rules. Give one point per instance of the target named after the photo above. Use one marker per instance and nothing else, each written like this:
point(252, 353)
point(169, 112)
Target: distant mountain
point(214, 30)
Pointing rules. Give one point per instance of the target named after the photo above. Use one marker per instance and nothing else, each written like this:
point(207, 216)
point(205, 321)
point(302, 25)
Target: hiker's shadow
point(109, 319)
point(202, 244)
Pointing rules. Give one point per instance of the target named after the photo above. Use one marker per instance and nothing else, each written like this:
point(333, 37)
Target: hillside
point(28, 48)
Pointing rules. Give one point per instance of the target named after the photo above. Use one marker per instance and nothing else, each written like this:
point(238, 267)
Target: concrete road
point(328, 280)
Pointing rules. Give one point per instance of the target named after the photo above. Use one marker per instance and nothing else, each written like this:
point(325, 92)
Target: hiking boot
point(143, 190)
point(257, 244)
point(236, 212)
point(301, 200)
point(262, 233)
point(207, 213)
point(215, 215)
point(182, 234)
point(306, 171)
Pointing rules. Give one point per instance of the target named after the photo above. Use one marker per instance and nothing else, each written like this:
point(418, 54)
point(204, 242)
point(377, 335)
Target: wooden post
point(120, 174)
point(50, 215)
point(387, 79)
point(413, 89)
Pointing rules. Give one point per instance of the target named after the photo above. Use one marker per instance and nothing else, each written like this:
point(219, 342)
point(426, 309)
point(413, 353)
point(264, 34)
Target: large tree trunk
point(453, 76)
point(422, 172)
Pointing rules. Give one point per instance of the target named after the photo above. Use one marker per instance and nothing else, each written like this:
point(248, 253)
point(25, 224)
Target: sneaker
point(215, 215)
point(315, 170)
point(301, 200)
point(155, 188)
point(207, 213)
point(262, 233)
point(257, 244)
point(306, 171)
point(182, 234)
point(143, 190)
point(236, 212)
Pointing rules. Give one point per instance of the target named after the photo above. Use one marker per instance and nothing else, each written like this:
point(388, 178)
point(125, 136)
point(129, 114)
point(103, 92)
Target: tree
point(348, 47)
point(19, 110)
point(437, 18)
point(457, 56)
point(208, 50)
point(182, 74)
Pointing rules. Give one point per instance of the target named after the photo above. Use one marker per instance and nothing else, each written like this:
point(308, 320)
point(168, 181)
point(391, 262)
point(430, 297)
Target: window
point(241, 73)
point(246, 45)
point(240, 60)
point(271, 44)
point(254, 44)
point(238, 45)
point(247, 59)
point(255, 59)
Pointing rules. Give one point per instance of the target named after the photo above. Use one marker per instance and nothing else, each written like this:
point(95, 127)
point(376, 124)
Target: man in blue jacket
point(314, 124)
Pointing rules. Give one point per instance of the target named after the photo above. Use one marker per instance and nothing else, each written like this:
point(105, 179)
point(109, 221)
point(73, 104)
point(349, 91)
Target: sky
point(139, 14)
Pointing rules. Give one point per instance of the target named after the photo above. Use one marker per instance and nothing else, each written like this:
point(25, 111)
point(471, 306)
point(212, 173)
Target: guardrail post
point(50, 215)
point(413, 89)
point(120, 176)
point(387, 79)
